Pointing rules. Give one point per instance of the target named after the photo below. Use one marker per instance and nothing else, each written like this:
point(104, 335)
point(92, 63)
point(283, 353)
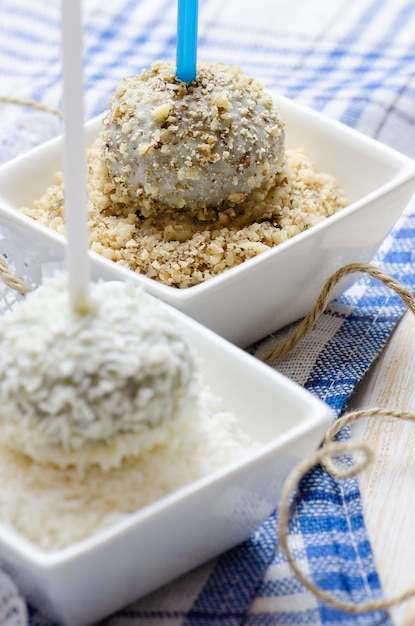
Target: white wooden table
point(388, 486)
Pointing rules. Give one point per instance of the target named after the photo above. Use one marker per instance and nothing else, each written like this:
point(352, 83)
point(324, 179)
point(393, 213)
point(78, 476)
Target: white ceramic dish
point(279, 286)
point(91, 579)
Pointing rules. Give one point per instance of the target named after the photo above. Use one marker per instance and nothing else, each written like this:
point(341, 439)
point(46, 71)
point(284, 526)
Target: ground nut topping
point(191, 146)
point(177, 250)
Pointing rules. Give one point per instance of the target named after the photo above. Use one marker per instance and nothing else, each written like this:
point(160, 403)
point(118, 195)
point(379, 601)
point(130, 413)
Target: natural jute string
point(325, 456)
point(32, 104)
point(329, 449)
point(10, 279)
point(309, 322)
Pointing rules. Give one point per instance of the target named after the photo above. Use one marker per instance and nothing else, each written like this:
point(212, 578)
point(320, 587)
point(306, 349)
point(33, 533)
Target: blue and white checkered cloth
point(354, 60)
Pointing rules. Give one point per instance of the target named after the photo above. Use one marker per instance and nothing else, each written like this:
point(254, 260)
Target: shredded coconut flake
point(56, 507)
point(95, 387)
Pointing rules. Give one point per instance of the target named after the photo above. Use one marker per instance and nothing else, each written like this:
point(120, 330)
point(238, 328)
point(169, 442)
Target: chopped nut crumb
point(182, 253)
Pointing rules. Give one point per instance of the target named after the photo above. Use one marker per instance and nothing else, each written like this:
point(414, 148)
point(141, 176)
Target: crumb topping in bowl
point(180, 251)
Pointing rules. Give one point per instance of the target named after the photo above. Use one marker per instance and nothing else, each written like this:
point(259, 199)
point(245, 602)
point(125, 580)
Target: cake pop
point(176, 146)
point(95, 387)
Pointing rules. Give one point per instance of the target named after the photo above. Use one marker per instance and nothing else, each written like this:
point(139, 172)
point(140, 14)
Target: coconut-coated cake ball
point(191, 146)
point(79, 389)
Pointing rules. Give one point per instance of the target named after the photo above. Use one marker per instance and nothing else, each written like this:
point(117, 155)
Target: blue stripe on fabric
point(110, 32)
point(365, 334)
point(29, 14)
point(333, 616)
point(338, 52)
point(400, 21)
point(318, 523)
point(352, 113)
point(221, 41)
point(370, 12)
point(318, 491)
point(291, 47)
point(358, 103)
point(20, 55)
point(126, 58)
point(226, 596)
point(340, 582)
point(19, 36)
point(14, 39)
point(399, 257)
point(322, 98)
point(406, 232)
point(285, 586)
point(113, 29)
point(342, 550)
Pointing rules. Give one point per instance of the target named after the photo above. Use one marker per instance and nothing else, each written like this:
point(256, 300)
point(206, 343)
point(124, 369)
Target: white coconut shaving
point(55, 507)
point(96, 387)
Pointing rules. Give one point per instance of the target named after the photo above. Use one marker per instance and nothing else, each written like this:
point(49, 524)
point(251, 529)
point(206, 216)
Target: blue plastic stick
point(186, 40)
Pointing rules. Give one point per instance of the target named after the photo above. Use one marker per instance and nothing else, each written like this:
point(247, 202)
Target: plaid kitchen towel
point(354, 60)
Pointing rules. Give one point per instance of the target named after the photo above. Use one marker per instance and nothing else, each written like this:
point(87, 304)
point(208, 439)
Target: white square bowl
point(247, 302)
point(89, 580)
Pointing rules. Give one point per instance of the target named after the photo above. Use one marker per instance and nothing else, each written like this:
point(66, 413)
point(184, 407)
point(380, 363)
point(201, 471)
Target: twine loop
point(309, 321)
point(360, 451)
point(325, 456)
point(31, 104)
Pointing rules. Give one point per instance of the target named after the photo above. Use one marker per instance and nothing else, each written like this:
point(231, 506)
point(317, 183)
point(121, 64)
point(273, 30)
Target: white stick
point(76, 217)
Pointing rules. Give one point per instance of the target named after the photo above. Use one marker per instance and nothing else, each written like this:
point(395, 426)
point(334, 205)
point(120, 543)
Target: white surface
point(387, 486)
point(264, 294)
point(95, 577)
